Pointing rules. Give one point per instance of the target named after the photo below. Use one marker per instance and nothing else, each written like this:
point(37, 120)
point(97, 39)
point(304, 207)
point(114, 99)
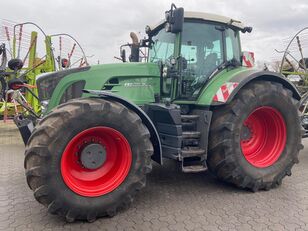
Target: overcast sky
point(102, 26)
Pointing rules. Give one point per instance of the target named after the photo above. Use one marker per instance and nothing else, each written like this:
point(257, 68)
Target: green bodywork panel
point(208, 92)
point(136, 82)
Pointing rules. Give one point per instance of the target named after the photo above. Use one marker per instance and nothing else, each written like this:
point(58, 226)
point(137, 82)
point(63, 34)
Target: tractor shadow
point(168, 182)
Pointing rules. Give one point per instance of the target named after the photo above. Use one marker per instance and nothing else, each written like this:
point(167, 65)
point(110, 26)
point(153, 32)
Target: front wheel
point(88, 158)
point(255, 140)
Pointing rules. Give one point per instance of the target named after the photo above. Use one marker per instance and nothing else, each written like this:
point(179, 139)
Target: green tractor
point(196, 100)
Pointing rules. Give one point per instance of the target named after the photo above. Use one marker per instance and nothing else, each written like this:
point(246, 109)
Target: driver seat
point(207, 65)
point(210, 62)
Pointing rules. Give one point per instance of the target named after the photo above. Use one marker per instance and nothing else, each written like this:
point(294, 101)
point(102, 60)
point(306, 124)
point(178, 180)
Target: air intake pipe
point(134, 56)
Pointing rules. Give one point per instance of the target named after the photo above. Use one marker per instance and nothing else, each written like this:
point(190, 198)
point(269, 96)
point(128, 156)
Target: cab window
point(232, 45)
point(202, 47)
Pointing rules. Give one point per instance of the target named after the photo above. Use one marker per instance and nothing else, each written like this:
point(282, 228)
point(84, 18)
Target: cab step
point(191, 135)
point(189, 125)
point(190, 142)
point(194, 168)
point(193, 157)
point(192, 152)
point(189, 117)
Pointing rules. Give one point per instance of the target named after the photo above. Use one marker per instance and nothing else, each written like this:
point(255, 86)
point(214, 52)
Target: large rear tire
point(88, 158)
point(255, 140)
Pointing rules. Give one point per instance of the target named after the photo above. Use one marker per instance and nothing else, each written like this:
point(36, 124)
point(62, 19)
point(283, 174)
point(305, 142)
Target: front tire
point(255, 140)
point(88, 158)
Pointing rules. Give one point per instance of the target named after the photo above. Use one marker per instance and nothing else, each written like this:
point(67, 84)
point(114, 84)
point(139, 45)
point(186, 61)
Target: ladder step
point(189, 117)
point(192, 156)
point(190, 142)
point(191, 152)
point(191, 135)
point(188, 125)
point(194, 168)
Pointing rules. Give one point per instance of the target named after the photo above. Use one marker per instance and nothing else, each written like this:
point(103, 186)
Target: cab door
point(202, 48)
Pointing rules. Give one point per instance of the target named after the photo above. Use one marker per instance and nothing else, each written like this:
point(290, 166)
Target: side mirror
point(174, 19)
point(247, 29)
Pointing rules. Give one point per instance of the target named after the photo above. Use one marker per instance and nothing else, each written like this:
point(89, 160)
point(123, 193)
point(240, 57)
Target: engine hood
point(137, 82)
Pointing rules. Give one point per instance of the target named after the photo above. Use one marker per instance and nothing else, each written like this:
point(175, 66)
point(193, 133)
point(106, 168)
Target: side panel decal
point(224, 92)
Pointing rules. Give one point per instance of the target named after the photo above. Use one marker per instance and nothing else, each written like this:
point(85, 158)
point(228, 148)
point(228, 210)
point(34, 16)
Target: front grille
point(47, 83)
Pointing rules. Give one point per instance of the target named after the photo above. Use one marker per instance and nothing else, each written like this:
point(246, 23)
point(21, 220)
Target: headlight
point(165, 71)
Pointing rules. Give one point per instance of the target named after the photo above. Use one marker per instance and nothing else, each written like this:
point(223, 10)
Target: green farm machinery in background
point(294, 66)
point(32, 54)
point(27, 65)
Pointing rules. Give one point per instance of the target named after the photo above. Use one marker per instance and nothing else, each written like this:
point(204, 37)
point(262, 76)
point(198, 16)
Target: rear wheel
point(83, 161)
point(255, 140)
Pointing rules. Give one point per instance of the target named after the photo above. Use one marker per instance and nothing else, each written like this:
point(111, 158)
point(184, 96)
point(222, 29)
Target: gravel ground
point(172, 200)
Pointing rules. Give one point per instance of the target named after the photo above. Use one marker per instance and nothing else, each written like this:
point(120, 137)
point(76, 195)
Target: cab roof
point(207, 17)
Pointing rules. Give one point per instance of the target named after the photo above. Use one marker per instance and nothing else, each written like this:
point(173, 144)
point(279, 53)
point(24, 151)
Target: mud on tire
point(48, 142)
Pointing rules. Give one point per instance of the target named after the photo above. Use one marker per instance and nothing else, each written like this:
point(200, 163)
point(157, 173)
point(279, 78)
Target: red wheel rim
point(263, 137)
point(105, 178)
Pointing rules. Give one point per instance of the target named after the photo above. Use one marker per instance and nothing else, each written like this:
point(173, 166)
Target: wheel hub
point(96, 161)
point(93, 156)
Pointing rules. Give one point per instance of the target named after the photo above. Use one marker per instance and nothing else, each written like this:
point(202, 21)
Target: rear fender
point(157, 156)
point(228, 90)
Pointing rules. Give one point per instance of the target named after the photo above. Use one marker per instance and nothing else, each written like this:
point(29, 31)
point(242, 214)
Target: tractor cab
point(202, 45)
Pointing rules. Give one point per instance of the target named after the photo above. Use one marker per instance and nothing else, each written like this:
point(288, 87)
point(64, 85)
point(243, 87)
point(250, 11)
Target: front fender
point(157, 156)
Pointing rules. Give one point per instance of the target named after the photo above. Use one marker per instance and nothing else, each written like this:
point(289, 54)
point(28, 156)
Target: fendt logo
point(136, 85)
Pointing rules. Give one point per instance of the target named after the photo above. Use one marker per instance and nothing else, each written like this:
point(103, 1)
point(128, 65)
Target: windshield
point(163, 46)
